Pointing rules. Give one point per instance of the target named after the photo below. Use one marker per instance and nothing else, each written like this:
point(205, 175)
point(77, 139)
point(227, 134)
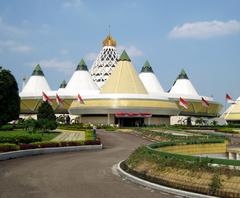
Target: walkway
point(70, 136)
point(77, 174)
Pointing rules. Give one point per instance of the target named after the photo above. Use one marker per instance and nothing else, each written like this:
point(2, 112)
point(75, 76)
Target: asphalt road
point(85, 174)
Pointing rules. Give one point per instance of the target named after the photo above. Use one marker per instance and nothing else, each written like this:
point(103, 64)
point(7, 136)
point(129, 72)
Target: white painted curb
point(39, 151)
point(148, 184)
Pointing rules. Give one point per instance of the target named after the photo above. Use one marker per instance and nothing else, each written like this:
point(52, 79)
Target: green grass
point(18, 133)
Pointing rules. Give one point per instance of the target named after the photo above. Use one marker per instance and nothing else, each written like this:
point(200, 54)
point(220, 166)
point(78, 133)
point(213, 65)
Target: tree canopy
point(9, 97)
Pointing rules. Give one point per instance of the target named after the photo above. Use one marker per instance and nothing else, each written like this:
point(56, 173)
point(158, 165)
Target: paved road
point(85, 174)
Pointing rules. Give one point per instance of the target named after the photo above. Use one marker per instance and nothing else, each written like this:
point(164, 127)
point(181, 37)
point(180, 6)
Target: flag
point(229, 99)
point(80, 100)
point(58, 100)
point(205, 103)
point(183, 103)
point(45, 98)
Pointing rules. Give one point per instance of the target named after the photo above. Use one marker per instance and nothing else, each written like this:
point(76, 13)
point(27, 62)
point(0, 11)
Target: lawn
point(21, 136)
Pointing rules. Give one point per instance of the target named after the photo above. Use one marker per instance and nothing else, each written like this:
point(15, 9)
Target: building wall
point(157, 120)
point(98, 119)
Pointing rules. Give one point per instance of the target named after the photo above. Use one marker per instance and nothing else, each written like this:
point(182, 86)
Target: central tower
point(106, 61)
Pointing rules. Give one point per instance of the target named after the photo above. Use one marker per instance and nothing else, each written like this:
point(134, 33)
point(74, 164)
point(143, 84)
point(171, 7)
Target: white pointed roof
point(81, 81)
point(149, 79)
point(105, 63)
point(36, 84)
point(183, 86)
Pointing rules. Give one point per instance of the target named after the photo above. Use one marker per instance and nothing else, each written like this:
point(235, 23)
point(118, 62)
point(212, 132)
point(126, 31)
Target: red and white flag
point(205, 103)
point(183, 103)
point(45, 98)
point(229, 99)
point(59, 101)
point(80, 100)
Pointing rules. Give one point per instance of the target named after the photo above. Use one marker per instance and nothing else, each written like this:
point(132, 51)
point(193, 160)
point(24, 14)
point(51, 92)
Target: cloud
point(8, 29)
point(71, 3)
point(205, 29)
point(54, 63)
point(131, 50)
point(91, 56)
point(13, 46)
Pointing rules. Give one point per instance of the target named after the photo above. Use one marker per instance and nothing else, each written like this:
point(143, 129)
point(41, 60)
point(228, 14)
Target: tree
point(9, 98)
point(45, 111)
point(46, 117)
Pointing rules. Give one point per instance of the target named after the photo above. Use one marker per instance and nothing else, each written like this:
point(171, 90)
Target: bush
point(216, 184)
point(8, 147)
point(28, 146)
point(7, 127)
point(46, 125)
point(17, 139)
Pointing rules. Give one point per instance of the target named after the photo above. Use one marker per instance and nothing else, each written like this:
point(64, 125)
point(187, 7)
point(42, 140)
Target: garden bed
point(6, 147)
point(186, 172)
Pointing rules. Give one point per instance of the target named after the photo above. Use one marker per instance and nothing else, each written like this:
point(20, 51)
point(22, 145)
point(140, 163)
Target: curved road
point(85, 174)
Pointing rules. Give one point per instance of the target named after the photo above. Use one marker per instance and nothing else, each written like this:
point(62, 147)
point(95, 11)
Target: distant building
point(114, 93)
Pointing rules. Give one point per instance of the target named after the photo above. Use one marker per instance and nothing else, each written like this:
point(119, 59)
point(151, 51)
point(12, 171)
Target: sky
point(202, 37)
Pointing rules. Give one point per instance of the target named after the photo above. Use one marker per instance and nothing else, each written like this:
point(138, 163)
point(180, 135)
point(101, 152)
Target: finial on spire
point(109, 41)
point(109, 29)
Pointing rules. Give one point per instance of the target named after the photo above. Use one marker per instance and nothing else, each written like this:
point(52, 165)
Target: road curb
point(148, 184)
point(40, 151)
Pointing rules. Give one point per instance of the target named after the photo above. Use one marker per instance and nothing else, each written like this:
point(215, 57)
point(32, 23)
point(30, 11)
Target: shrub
point(48, 144)
point(28, 146)
point(72, 143)
point(92, 142)
point(7, 127)
point(30, 125)
point(216, 184)
point(17, 139)
point(8, 147)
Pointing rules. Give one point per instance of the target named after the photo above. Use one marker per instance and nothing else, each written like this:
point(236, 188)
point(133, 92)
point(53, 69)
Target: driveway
point(85, 174)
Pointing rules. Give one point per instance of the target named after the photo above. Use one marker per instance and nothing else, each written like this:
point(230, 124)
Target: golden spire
point(109, 41)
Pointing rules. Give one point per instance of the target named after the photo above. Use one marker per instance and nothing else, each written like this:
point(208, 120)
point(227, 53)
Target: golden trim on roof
point(109, 41)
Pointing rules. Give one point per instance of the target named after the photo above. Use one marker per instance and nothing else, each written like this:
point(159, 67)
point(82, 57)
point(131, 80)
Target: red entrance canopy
point(131, 114)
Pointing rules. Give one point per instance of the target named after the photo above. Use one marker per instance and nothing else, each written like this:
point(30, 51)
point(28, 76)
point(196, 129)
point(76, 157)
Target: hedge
point(6, 127)
point(190, 158)
point(17, 139)
point(8, 147)
point(47, 144)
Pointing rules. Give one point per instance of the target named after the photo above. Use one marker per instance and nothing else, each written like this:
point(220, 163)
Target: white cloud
point(71, 3)
point(205, 29)
point(91, 56)
point(54, 63)
point(13, 46)
point(131, 50)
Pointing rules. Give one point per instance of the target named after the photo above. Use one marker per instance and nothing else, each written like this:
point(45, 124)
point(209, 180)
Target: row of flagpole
point(59, 100)
point(182, 102)
point(185, 104)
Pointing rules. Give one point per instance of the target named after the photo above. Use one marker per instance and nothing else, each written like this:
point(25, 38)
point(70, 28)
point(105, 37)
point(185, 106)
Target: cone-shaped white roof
point(36, 84)
point(81, 81)
point(183, 85)
point(149, 79)
point(233, 112)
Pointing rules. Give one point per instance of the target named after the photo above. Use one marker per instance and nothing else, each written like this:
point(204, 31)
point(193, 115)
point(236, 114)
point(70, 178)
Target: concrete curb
point(40, 151)
point(148, 184)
